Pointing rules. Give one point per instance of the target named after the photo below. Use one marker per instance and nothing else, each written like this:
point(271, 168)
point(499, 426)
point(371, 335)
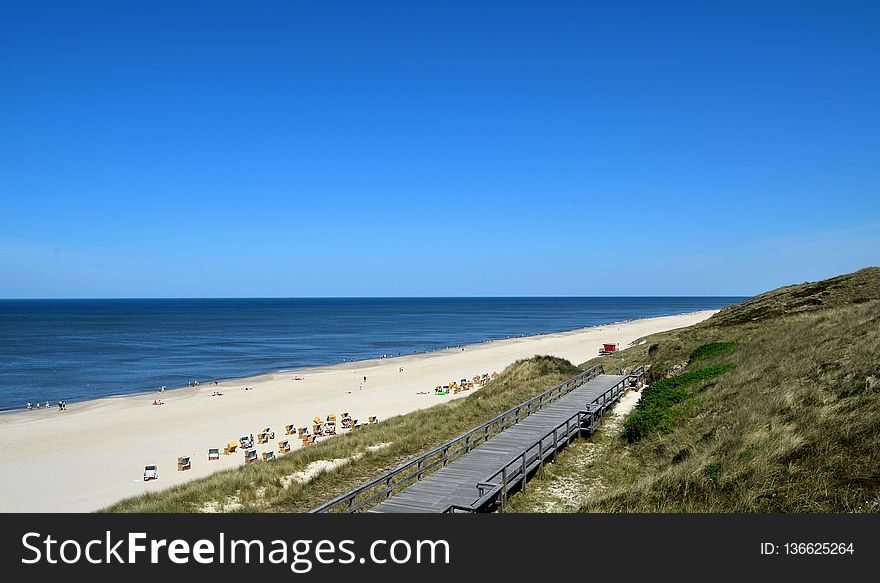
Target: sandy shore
point(94, 453)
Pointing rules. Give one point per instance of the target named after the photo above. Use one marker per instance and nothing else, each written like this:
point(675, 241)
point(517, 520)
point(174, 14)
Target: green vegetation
point(656, 410)
point(267, 487)
point(711, 350)
point(792, 424)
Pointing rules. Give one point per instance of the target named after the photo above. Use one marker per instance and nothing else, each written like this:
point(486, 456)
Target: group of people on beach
point(197, 382)
point(61, 405)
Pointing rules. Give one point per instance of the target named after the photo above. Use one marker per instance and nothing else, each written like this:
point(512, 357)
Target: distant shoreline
point(250, 376)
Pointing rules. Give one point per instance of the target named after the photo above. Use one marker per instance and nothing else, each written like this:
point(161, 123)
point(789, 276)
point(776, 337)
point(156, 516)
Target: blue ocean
point(82, 349)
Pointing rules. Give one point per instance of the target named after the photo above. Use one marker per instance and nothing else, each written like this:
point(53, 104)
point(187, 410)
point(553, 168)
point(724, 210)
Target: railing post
point(541, 453)
point(555, 442)
point(388, 487)
point(419, 468)
point(524, 471)
point(503, 487)
point(445, 456)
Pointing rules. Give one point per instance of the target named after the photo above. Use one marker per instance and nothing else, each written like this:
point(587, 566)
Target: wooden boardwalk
point(483, 476)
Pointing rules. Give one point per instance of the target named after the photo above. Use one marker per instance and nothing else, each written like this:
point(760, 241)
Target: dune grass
point(792, 424)
point(267, 487)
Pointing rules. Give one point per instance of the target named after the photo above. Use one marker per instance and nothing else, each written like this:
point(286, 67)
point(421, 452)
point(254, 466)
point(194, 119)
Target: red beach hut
point(608, 349)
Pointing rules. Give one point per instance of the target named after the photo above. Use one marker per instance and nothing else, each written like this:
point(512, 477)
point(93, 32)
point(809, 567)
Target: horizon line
point(94, 298)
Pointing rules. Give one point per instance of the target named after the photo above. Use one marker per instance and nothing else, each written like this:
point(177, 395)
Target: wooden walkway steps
point(476, 471)
point(485, 475)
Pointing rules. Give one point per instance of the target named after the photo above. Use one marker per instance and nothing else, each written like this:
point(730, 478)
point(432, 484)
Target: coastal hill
point(770, 405)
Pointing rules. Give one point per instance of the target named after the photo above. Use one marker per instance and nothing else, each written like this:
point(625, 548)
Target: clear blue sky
point(435, 148)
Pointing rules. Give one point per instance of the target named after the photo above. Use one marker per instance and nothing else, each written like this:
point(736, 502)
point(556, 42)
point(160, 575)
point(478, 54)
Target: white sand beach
point(93, 454)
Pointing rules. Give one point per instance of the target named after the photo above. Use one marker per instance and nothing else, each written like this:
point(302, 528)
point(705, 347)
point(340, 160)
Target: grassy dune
point(790, 422)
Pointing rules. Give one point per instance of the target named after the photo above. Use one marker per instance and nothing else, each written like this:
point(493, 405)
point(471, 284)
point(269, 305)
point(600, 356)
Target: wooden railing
point(515, 472)
point(414, 470)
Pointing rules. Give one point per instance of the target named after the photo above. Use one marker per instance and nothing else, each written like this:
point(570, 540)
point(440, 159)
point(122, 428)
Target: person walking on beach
point(29, 406)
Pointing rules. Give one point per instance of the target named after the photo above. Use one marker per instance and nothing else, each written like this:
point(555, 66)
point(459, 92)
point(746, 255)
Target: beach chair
point(268, 431)
point(183, 464)
point(457, 390)
point(308, 440)
point(494, 375)
point(262, 438)
point(268, 456)
point(289, 429)
point(230, 448)
point(317, 420)
point(246, 442)
point(150, 473)
point(373, 420)
point(317, 430)
point(284, 446)
point(213, 454)
point(303, 431)
point(250, 455)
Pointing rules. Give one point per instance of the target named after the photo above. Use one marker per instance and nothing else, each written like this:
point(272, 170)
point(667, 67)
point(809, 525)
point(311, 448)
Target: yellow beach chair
point(373, 419)
point(284, 446)
point(230, 448)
